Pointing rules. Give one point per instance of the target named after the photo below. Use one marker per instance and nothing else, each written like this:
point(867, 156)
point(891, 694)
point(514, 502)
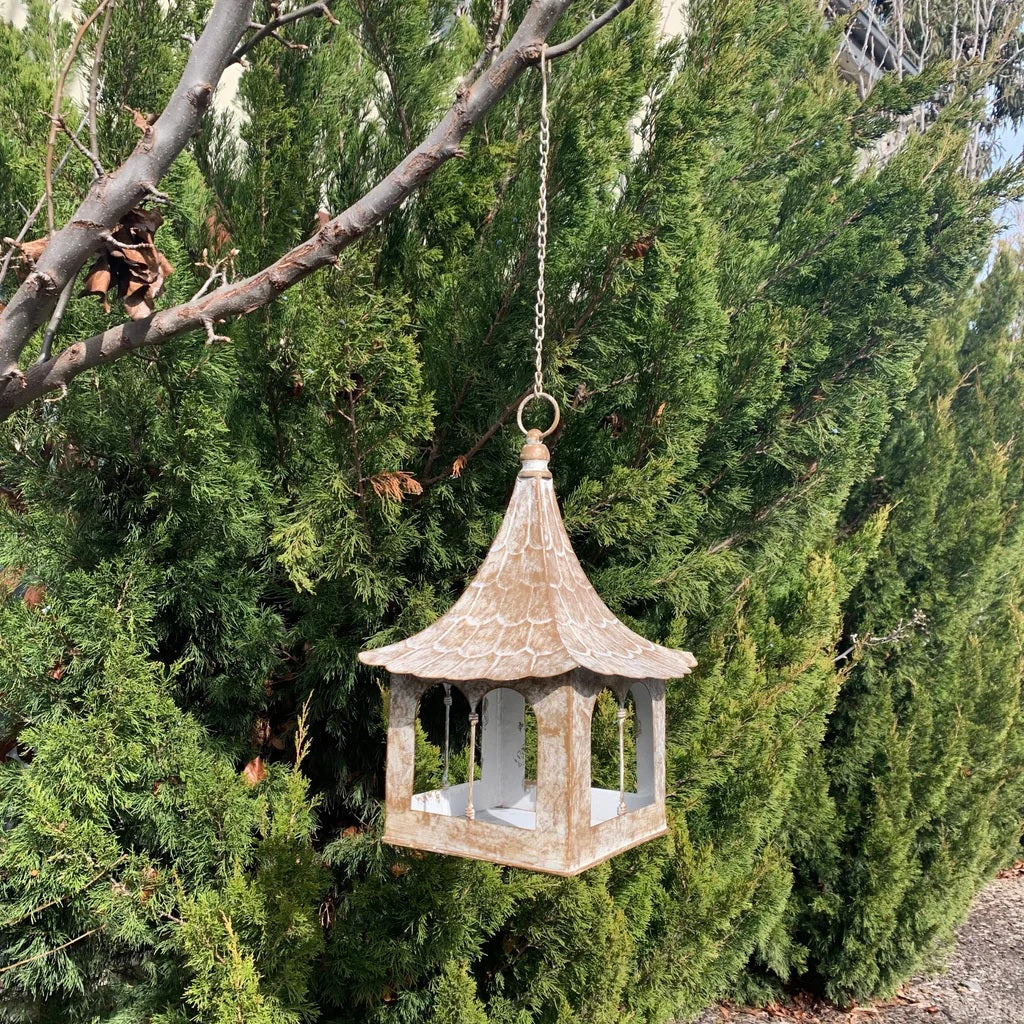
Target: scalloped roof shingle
point(530, 611)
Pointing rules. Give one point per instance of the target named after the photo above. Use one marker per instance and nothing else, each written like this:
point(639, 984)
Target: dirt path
point(984, 983)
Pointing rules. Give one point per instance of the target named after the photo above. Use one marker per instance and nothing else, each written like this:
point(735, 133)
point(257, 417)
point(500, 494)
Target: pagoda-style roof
point(530, 611)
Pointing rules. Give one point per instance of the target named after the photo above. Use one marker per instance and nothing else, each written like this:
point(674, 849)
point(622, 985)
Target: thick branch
point(113, 195)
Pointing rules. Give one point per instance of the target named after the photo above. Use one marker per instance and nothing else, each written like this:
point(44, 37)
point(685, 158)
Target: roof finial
point(535, 455)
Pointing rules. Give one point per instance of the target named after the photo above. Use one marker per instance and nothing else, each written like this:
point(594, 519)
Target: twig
point(212, 337)
point(80, 146)
point(322, 9)
point(895, 636)
point(58, 98)
point(584, 34)
point(216, 270)
point(94, 84)
point(63, 899)
point(487, 435)
point(52, 327)
point(117, 243)
point(287, 43)
point(492, 42)
point(29, 221)
point(50, 952)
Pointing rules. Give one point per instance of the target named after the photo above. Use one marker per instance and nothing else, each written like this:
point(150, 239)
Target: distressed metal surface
point(530, 612)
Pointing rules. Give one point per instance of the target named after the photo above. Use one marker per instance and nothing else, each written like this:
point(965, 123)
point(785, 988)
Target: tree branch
point(94, 85)
point(81, 146)
point(111, 197)
point(50, 952)
point(15, 242)
point(321, 9)
point(58, 100)
point(492, 42)
point(117, 193)
point(462, 460)
point(585, 33)
point(54, 325)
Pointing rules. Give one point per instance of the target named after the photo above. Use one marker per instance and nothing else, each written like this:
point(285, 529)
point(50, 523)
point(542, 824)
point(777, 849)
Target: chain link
point(542, 227)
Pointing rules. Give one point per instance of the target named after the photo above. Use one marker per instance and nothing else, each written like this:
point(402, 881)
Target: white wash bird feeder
point(530, 631)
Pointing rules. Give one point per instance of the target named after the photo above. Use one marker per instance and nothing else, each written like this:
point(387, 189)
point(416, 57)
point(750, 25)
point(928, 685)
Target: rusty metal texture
point(530, 612)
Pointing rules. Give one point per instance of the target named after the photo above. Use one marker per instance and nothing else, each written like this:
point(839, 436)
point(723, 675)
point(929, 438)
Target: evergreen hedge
point(790, 423)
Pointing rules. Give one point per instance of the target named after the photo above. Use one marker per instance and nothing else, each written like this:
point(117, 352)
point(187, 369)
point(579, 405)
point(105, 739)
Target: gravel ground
point(984, 983)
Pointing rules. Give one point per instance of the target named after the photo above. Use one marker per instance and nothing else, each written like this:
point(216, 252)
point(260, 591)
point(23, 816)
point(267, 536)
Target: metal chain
point(542, 255)
point(542, 226)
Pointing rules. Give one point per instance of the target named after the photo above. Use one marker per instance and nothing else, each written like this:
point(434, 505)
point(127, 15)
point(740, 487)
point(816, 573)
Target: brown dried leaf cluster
point(254, 772)
point(1016, 870)
point(132, 265)
point(395, 485)
point(129, 264)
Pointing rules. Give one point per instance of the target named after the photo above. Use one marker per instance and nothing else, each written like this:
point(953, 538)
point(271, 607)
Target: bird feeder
point(530, 630)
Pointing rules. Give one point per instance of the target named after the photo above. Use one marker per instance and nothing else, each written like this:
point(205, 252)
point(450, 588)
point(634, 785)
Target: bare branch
point(320, 9)
point(904, 628)
point(212, 337)
point(217, 271)
point(492, 42)
point(58, 99)
point(585, 33)
point(460, 463)
point(66, 898)
point(94, 85)
point(50, 952)
point(80, 146)
point(30, 220)
point(54, 325)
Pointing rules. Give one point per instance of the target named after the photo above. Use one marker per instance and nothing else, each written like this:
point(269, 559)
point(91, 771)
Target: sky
point(1011, 145)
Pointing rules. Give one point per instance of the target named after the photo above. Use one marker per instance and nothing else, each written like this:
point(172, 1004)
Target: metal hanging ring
point(554, 405)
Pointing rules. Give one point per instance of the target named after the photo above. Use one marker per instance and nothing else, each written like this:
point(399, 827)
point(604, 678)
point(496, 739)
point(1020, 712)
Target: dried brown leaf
point(9, 580)
point(31, 251)
point(254, 772)
point(141, 121)
point(395, 485)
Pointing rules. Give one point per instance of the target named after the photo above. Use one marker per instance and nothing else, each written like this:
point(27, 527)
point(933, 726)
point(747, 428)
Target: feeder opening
point(500, 742)
point(621, 753)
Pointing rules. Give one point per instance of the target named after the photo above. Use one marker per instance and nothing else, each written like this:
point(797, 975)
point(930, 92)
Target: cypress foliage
point(924, 751)
point(208, 534)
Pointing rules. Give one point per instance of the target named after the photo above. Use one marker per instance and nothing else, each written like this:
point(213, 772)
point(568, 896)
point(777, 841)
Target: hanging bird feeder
point(530, 632)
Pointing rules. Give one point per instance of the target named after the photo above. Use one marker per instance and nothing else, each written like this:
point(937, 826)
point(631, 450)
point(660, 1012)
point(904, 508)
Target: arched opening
point(621, 753)
point(499, 741)
point(442, 747)
point(507, 792)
